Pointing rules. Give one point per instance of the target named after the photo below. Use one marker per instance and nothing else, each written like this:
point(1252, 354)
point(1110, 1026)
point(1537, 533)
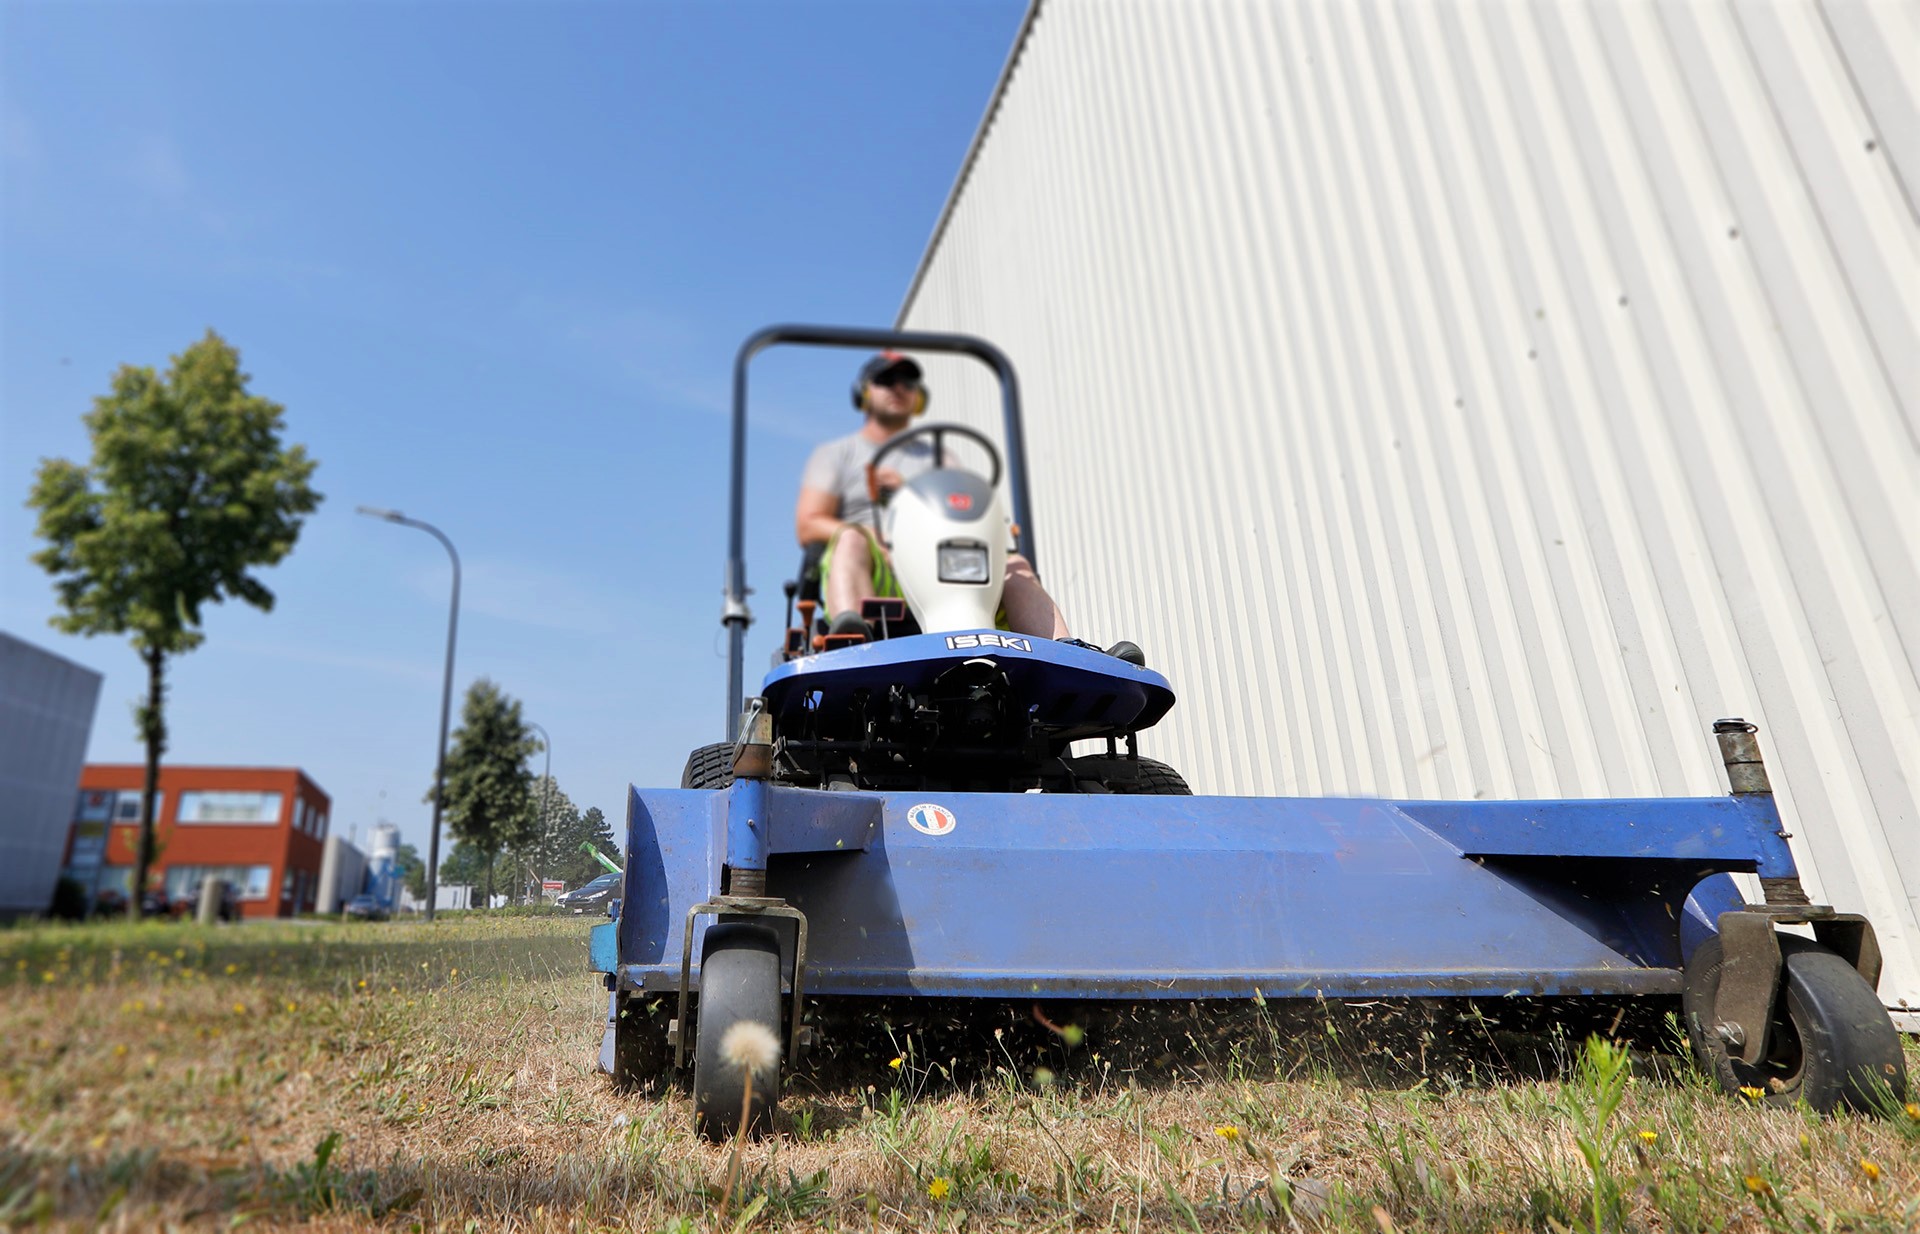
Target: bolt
point(1731, 1034)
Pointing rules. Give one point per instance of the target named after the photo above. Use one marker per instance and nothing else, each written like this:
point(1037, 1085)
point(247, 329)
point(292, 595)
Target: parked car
point(363, 908)
point(109, 902)
point(591, 898)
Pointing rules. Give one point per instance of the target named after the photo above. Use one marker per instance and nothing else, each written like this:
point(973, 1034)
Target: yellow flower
point(1758, 1185)
point(939, 1188)
point(239, 1009)
point(120, 1051)
point(1649, 1135)
point(1871, 1170)
point(1229, 1132)
point(293, 1007)
point(47, 977)
point(363, 983)
point(896, 1063)
point(1913, 1110)
point(232, 969)
point(1751, 1093)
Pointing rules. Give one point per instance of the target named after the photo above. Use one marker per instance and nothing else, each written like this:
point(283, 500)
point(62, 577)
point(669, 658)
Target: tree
point(572, 863)
point(412, 870)
point(188, 489)
point(465, 866)
point(488, 804)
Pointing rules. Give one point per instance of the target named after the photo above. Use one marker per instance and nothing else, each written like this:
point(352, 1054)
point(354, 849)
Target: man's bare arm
point(816, 516)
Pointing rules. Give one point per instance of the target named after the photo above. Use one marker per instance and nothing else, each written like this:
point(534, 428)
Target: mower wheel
point(709, 767)
point(1155, 779)
point(642, 1059)
point(739, 981)
point(1831, 1043)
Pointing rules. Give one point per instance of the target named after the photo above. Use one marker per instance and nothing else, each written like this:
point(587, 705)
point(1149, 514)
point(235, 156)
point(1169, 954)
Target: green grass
point(396, 1076)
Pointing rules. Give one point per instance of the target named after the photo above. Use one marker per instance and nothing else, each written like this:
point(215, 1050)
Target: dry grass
point(400, 1076)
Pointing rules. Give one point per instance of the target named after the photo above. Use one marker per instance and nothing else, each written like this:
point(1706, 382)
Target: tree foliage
point(555, 850)
point(407, 863)
point(488, 803)
point(189, 489)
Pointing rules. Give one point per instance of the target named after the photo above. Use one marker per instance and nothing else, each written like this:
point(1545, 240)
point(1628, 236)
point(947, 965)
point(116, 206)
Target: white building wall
point(1477, 400)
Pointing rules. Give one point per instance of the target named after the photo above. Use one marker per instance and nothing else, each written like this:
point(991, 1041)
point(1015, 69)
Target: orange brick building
point(263, 829)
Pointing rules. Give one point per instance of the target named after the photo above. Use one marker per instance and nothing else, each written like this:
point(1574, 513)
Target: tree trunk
point(153, 730)
point(488, 902)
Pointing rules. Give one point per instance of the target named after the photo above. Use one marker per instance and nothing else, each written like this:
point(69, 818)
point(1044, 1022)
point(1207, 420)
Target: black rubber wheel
point(1831, 1042)
point(642, 1059)
point(1155, 779)
point(709, 767)
point(739, 980)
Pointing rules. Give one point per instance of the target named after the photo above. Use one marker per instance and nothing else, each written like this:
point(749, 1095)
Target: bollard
point(212, 891)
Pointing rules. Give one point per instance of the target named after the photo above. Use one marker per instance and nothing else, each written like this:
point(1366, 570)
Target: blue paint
point(749, 830)
point(1143, 897)
point(1083, 692)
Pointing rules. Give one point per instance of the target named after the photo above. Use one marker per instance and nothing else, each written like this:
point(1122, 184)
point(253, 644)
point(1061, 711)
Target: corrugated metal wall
point(1478, 399)
point(46, 714)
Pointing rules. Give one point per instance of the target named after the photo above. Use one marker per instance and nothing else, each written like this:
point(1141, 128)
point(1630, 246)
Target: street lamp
point(546, 782)
point(446, 695)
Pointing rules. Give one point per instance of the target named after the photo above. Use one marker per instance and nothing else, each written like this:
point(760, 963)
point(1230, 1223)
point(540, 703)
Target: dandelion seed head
point(751, 1045)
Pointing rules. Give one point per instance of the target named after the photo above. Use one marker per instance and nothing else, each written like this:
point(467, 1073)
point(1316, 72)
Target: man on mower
point(835, 510)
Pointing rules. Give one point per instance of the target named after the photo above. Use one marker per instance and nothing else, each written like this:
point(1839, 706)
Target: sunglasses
point(898, 381)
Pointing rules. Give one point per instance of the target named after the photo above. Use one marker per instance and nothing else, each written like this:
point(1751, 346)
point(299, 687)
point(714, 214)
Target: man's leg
point(849, 572)
point(1030, 610)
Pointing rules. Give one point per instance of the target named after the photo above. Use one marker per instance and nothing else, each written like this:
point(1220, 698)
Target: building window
point(126, 806)
point(230, 807)
point(248, 882)
point(96, 806)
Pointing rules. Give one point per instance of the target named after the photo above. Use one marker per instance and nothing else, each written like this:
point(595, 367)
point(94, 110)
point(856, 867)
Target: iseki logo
point(967, 642)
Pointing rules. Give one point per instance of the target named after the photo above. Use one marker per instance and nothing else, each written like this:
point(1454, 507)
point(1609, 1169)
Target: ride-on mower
point(905, 815)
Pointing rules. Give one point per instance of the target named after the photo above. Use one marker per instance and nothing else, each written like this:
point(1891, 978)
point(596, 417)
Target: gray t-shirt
point(840, 467)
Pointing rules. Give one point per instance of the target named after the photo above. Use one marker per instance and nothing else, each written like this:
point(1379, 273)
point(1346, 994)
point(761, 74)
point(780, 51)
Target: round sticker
point(931, 819)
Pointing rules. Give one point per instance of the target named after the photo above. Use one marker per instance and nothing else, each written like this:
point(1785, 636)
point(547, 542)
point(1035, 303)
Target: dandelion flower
point(47, 977)
point(1751, 1093)
point(293, 1007)
point(454, 973)
point(1758, 1185)
point(239, 1009)
point(1871, 1170)
point(120, 1051)
point(363, 983)
point(751, 1045)
point(1649, 1135)
point(232, 969)
point(1913, 1110)
point(1229, 1132)
point(896, 1063)
point(939, 1188)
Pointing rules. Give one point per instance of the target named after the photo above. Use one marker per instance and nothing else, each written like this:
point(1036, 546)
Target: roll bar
point(734, 613)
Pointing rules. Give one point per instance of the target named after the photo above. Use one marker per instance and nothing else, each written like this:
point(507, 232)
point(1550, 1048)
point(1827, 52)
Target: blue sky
point(495, 261)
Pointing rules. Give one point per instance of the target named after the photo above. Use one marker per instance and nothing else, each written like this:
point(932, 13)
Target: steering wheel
point(939, 434)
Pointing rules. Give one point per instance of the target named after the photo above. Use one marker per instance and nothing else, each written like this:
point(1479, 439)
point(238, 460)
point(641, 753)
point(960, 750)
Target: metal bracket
point(1750, 974)
point(746, 906)
point(1749, 981)
point(753, 749)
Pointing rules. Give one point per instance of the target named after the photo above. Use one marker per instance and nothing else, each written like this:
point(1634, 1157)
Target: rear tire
point(709, 767)
point(739, 980)
point(1155, 779)
point(1830, 1043)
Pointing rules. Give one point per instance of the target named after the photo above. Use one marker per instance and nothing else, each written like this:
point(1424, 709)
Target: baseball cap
point(889, 366)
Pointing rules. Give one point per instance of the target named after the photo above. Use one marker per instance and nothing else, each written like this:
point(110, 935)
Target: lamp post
point(446, 695)
point(546, 781)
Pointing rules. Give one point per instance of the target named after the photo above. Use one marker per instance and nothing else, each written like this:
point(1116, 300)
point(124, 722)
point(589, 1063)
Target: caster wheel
point(739, 981)
point(1831, 1043)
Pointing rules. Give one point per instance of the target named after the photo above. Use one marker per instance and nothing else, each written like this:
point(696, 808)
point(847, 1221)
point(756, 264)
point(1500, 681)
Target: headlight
point(963, 563)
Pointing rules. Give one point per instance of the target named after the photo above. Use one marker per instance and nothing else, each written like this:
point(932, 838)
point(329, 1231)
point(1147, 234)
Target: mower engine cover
point(949, 531)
